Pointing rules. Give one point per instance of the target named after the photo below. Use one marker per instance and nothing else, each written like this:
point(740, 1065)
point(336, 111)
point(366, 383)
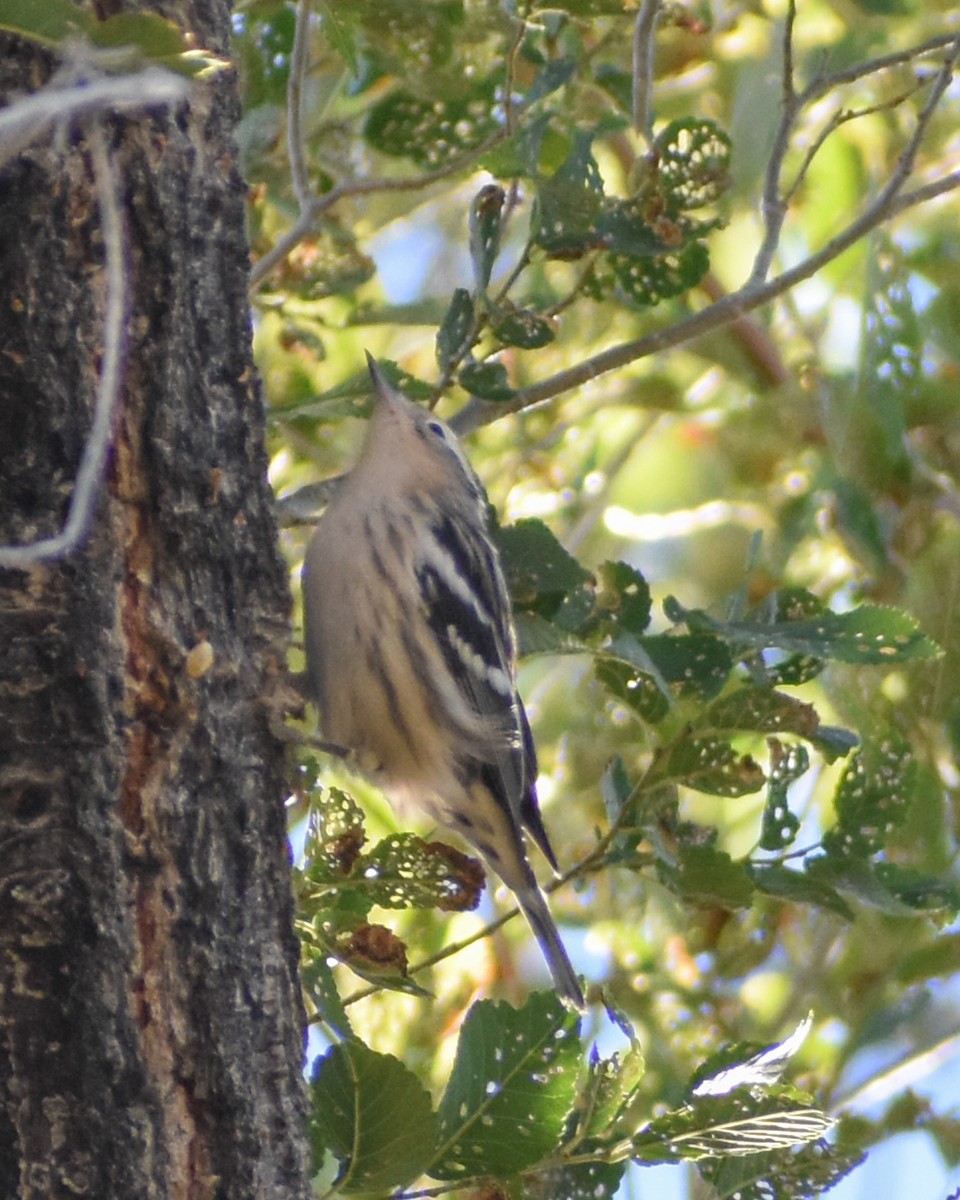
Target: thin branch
point(644, 46)
point(773, 206)
point(86, 490)
point(360, 187)
point(888, 204)
point(826, 83)
point(296, 149)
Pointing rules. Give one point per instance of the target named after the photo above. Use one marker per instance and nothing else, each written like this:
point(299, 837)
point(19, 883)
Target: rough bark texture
point(150, 1020)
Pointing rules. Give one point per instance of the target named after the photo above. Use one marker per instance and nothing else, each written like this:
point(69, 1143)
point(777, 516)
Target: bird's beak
point(381, 385)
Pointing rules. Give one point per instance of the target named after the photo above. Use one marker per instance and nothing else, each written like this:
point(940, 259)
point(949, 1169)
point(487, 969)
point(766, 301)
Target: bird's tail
point(533, 905)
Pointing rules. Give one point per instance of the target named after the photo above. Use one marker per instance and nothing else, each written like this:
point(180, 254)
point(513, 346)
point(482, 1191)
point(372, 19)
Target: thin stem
point(644, 46)
point(296, 148)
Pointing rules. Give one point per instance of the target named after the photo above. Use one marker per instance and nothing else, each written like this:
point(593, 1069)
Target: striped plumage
point(411, 650)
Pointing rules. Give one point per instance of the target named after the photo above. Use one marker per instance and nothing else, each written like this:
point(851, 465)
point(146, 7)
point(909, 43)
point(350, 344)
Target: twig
point(644, 45)
point(89, 481)
point(295, 143)
point(756, 292)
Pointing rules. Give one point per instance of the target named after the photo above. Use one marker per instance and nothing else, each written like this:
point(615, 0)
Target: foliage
point(748, 743)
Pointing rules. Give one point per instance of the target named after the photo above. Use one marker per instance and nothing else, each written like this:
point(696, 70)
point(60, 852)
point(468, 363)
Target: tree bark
point(150, 1015)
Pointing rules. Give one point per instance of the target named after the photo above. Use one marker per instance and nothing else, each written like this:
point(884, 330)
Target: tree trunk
point(150, 1017)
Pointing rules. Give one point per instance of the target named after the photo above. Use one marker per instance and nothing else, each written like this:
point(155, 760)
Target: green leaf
point(357, 1096)
point(707, 763)
point(780, 826)
point(456, 328)
point(511, 1090)
point(488, 380)
point(872, 799)
point(918, 890)
point(535, 564)
point(762, 710)
point(404, 871)
point(791, 1175)
point(485, 217)
point(733, 1125)
point(797, 887)
point(858, 879)
point(648, 281)
point(872, 633)
point(522, 327)
point(623, 597)
point(643, 692)
point(434, 131)
point(705, 875)
point(697, 664)
point(693, 162)
point(568, 202)
point(607, 1098)
point(50, 23)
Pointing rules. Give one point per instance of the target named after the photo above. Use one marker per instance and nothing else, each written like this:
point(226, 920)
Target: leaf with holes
point(733, 1125)
point(648, 281)
point(872, 633)
point(791, 1175)
point(512, 1088)
point(456, 328)
point(485, 218)
point(622, 598)
point(693, 162)
point(707, 763)
point(433, 132)
point(404, 871)
point(644, 693)
point(762, 710)
point(569, 201)
point(872, 799)
point(523, 328)
point(357, 1094)
point(780, 826)
point(698, 664)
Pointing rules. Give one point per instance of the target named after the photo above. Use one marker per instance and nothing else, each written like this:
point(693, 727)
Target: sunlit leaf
point(511, 1089)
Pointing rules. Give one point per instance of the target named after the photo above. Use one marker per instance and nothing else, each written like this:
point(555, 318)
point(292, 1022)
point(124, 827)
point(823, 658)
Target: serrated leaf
point(511, 1090)
point(455, 328)
point(648, 281)
point(734, 1125)
point(535, 563)
point(698, 664)
point(485, 217)
point(792, 1175)
point(797, 887)
point(871, 633)
point(705, 875)
point(357, 1095)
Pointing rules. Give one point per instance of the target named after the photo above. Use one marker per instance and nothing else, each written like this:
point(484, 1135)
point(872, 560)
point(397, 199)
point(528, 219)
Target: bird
point(411, 650)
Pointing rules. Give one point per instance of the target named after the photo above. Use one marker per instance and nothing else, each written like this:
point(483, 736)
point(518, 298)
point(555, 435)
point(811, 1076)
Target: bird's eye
point(437, 428)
